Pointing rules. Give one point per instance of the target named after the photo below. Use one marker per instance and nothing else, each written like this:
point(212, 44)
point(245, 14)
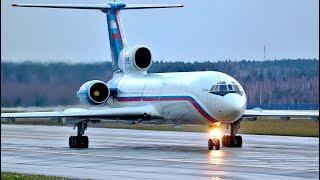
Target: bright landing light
point(216, 133)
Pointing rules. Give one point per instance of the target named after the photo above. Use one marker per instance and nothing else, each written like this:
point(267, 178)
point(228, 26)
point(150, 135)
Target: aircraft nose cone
point(233, 107)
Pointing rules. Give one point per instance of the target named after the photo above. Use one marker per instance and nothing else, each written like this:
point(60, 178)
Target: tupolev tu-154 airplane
point(214, 98)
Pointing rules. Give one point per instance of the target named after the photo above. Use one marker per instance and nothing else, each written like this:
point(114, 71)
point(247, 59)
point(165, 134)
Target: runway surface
point(141, 154)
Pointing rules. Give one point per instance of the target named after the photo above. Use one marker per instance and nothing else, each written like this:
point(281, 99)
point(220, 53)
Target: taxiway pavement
point(143, 154)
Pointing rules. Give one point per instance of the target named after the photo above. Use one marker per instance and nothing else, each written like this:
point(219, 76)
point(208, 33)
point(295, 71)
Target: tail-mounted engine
point(93, 92)
point(138, 58)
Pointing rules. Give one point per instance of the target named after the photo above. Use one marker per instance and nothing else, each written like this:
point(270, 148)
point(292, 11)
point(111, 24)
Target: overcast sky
point(202, 30)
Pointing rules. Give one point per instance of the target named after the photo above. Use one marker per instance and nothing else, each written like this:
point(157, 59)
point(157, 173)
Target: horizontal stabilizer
point(151, 6)
point(107, 6)
point(67, 6)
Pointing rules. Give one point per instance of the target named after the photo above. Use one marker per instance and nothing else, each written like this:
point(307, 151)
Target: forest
point(285, 81)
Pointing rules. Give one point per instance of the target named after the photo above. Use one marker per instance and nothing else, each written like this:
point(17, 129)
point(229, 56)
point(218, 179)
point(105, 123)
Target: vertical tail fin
point(116, 38)
point(112, 10)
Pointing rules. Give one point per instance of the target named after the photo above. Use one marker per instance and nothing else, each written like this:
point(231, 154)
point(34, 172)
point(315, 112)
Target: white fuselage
point(180, 96)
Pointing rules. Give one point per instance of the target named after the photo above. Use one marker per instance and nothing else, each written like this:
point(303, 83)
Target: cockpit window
point(214, 88)
point(223, 88)
point(236, 88)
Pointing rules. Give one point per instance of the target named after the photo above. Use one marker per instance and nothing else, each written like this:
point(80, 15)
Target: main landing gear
point(232, 140)
point(79, 141)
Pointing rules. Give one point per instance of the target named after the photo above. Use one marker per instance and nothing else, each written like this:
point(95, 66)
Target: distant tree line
point(286, 81)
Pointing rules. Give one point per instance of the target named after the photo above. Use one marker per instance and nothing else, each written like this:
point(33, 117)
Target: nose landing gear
point(214, 143)
point(215, 133)
point(231, 140)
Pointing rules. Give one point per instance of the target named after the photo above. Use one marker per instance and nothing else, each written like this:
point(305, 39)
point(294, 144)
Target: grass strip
point(20, 176)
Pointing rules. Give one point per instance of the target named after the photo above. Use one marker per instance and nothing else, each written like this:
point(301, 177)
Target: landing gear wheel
point(213, 143)
point(231, 141)
point(72, 141)
point(78, 142)
point(217, 144)
point(210, 144)
point(84, 142)
point(238, 141)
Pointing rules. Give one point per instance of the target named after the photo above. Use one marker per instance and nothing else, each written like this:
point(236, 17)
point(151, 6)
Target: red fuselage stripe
point(190, 100)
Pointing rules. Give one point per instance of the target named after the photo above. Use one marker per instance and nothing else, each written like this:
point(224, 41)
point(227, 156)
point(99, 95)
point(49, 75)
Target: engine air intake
point(93, 92)
point(99, 92)
point(143, 58)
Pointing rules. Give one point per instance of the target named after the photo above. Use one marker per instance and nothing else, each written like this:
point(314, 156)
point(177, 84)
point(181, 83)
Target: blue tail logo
point(116, 36)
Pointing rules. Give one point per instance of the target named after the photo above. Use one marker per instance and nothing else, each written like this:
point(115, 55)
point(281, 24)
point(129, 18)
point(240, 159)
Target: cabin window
point(230, 87)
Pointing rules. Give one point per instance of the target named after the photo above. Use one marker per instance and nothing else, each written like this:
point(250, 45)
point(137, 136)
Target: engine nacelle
point(139, 57)
point(93, 92)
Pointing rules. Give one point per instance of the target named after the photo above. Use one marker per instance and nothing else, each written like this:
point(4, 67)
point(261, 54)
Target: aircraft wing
point(282, 114)
point(97, 113)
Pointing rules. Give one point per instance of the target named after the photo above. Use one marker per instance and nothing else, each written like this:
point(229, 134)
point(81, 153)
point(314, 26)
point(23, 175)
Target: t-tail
point(112, 10)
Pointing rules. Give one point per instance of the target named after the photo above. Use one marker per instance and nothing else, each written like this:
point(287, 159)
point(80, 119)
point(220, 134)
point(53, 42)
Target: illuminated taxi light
point(217, 123)
point(216, 133)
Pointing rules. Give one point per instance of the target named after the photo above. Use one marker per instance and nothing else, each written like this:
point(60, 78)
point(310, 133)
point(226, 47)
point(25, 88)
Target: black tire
point(85, 141)
point(231, 141)
point(72, 141)
point(82, 141)
point(217, 144)
point(238, 141)
point(78, 142)
point(210, 144)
